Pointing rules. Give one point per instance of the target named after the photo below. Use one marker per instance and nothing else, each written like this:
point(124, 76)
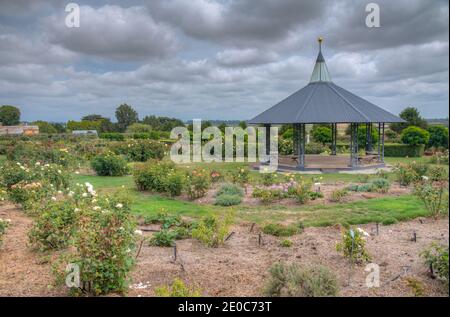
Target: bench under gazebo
point(323, 102)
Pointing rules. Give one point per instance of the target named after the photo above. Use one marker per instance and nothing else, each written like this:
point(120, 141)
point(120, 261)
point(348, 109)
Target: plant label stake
point(378, 228)
point(259, 239)
point(251, 228)
point(174, 253)
point(229, 236)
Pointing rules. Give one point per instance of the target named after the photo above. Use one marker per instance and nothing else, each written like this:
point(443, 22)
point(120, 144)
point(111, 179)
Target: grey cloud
point(245, 57)
point(126, 34)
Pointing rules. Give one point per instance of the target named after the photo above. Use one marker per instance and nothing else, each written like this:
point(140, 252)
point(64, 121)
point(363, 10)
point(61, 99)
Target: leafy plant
point(338, 195)
point(286, 243)
point(109, 165)
point(353, 246)
point(436, 257)
point(414, 136)
point(438, 173)
point(230, 189)
point(177, 289)
point(163, 238)
point(197, 183)
point(280, 230)
point(294, 281)
point(212, 230)
point(228, 200)
point(433, 195)
point(4, 224)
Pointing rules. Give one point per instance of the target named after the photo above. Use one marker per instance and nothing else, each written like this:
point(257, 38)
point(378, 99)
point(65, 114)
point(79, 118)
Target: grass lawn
point(387, 210)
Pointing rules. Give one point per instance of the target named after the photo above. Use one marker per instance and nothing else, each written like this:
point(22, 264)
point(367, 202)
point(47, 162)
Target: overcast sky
point(222, 59)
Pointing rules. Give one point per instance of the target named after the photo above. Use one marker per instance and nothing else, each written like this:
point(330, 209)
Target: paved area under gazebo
point(326, 162)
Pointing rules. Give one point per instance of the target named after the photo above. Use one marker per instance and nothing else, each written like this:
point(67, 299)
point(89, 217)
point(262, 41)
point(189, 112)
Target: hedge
point(403, 150)
point(114, 136)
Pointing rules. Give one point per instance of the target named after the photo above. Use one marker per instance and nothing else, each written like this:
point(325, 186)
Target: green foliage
point(414, 136)
point(280, 230)
point(162, 123)
point(268, 179)
point(302, 191)
point(227, 200)
point(286, 243)
point(240, 176)
point(113, 136)
point(412, 117)
point(338, 195)
point(9, 115)
point(126, 116)
point(434, 195)
point(380, 185)
point(197, 183)
point(437, 173)
point(83, 125)
point(45, 127)
point(230, 189)
point(177, 289)
point(163, 238)
point(139, 150)
point(159, 176)
point(353, 246)
point(103, 243)
point(321, 134)
point(30, 153)
point(436, 256)
point(294, 281)
point(110, 165)
point(438, 136)
point(165, 219)
point(54, 225)
point(267, 196)
point(403, 150)
point(416, 286)
point(4, 224)
point(139, 128)
point(212, 230)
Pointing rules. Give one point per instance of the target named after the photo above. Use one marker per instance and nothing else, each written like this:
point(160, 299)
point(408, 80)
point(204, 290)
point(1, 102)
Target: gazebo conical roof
point(322, 101)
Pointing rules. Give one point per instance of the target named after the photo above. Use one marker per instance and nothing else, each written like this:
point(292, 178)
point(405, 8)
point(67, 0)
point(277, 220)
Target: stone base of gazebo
point(326, 163)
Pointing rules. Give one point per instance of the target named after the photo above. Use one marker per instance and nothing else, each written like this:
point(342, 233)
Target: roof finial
point(320, 40)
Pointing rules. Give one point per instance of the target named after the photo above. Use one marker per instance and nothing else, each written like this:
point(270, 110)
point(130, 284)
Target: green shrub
point(166, 220)
point(110, 165)
point(437, 173)
point(433, 195)
point(113, 136)
point(338, 195)
point(197, 183)
point(280, 230)
point(27, 193)
point(212, 230)
point(403, 150)
point(177, 289)
point(302, 191)
point(438, 136)
point(54, 226)
point(228, 200)
point(286, 243)
point(436, 257)
point(240, 176)
point(230, 189)
point(316, 148)
point(405, 175)
point(293, 281)
point(163, 238)
point(381, 185)
point(268, 179)
point(159, 176)
point(139, 150)
point(414, 136)
point(321, 134)
point(104, 241)
point(139, 128)
point(353, 246)
point(31, 153)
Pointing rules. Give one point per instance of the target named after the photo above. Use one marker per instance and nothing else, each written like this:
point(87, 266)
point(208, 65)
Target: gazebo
point(324, 102)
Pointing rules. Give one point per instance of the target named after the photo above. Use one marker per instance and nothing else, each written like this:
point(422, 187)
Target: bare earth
point(240, 266)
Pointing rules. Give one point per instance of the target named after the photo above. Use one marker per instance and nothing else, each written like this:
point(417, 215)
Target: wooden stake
point(229, 236)
point(251, 228)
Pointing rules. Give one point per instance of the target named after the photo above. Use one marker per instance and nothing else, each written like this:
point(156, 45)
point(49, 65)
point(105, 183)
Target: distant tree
point(162, 123)
point(139, 128)
point(438, 136)
point(93, 117)
point(126, 116)
point(45, 127)
point(412, 117)
point(414, 136)
point(243, 125)
point(9, 115)
point(59, 127)
point(83, 125)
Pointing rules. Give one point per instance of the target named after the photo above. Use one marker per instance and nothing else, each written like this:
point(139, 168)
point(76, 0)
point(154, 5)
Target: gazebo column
point(301, 137)
point(295, 140)
point(369, 147)
point(333, 138)
point(382, 142)
point(267, 126)
point(354, 148)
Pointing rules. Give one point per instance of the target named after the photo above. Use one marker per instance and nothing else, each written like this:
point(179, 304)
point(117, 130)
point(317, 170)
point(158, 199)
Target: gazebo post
point(354, 145)
point(301, 135)
point(333, 138)
point(382, 142)
point(267, 126)
point(368, 137)
point(295, 140)
point(379, 142)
